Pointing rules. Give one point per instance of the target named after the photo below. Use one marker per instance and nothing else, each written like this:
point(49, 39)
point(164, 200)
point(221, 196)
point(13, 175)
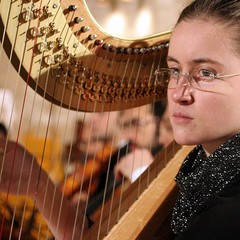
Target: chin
point(184, 140)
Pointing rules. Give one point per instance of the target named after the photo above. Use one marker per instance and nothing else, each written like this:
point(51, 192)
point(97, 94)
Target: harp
point(59, 51)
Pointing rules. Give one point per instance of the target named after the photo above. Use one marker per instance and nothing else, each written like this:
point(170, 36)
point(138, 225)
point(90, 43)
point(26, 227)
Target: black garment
point(208, 206)
point(218, 220)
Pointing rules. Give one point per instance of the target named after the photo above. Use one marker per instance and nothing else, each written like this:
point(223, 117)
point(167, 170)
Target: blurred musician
point(165, 129)
point(123, 144)
point(141, 127)
point(18, 217)
point(100, 145)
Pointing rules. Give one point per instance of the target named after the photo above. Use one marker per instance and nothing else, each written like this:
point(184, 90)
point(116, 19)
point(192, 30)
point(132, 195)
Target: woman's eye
point(175, 71)
point(206, 73)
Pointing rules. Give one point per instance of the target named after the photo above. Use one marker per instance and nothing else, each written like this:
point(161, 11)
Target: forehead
point(200, 39)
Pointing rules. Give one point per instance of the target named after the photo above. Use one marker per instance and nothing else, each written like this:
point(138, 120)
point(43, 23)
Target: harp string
point(110, 211)
point(7, 197)
point(4, 197)
point(127, 68)
point(94, 159)
point(59, 215)
point(111, 199)
point(107, 175)
point(150, 146)
point(113, 192)
point(85, 161)
point(12, 166)
point(35, 139)
point(41, 161)
point(79, 101)
point(17, 139)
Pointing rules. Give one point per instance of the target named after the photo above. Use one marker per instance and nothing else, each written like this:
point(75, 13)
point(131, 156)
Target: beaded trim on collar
point(201, 177)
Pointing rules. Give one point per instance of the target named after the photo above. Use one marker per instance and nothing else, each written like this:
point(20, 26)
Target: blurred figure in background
point(165, 130)
point(116, 146)
point(100, 145)
point(18, 217)
point(141, 127)
point(88, 141)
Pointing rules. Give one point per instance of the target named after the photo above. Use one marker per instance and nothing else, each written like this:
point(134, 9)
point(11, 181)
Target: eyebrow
point(196, 61)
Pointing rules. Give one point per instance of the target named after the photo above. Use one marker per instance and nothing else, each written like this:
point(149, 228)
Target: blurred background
point(56, 135)
point(123, 18)
point(135, 18)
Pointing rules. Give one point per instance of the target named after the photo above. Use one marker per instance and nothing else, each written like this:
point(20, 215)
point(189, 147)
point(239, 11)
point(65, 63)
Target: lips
point(181, 118)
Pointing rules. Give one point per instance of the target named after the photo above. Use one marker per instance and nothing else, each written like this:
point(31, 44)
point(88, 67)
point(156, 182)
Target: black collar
point(201, 177)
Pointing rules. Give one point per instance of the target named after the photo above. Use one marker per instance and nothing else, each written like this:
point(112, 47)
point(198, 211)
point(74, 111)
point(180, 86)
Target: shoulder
point(219, 219)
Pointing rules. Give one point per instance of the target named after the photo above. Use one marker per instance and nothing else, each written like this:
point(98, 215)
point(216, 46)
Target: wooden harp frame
point(62, 53)
point(71, 61)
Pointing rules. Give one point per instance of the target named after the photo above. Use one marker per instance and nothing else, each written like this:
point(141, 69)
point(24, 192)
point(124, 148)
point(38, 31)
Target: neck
point(211, 146)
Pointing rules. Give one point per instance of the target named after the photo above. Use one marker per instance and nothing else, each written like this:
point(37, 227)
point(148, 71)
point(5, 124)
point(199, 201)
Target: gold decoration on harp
point(71, 61)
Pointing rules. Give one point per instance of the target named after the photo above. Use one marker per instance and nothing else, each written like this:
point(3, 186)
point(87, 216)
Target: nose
point(182, 93)
point(185, 80)
point(130, 133)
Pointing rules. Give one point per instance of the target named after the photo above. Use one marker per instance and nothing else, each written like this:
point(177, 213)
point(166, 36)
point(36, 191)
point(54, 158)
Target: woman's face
point(199, 116)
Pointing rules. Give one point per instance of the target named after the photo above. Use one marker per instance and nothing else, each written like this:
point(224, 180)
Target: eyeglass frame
point(136, 123)
point(190, 77)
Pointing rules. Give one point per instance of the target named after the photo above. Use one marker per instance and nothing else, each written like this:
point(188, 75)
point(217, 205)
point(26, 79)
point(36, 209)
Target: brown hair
point(226, 12)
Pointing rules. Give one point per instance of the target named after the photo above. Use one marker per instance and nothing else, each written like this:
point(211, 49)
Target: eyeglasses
point(202, 79)
point(136, 123)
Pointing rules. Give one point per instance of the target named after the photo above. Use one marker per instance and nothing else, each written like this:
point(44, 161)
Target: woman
point(203, 97)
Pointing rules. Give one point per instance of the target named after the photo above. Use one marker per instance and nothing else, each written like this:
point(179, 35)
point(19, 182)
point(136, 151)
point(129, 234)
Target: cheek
point(170, 106)
point(223, 120)
point(229, 113)
point(170, 102)
point(144, 136)
point(212, 112)
point(130, 134)
point(222, 106)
